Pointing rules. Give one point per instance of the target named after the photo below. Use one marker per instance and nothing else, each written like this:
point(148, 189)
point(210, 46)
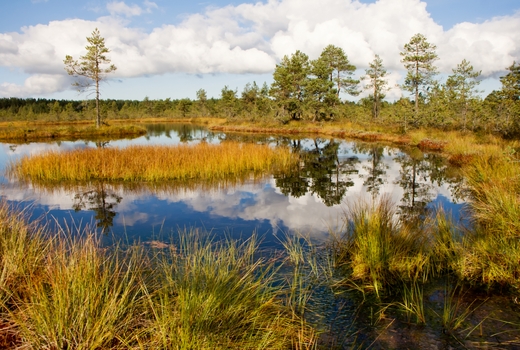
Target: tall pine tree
point(377, 84)
point(418, 58)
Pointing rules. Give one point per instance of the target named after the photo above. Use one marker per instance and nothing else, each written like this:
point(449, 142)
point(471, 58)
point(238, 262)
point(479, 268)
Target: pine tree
point(290, 78)
point(89, 69)
point(510, 96)
point(341, 70)
point(462, 85)
point(202, 98)
point(418, 58)
point(320, 94)
point(376, 74)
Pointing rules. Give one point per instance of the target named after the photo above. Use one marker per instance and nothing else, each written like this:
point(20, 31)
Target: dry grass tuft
point(431, 145)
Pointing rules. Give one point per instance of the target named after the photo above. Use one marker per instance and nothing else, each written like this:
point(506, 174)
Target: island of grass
point(153, 163)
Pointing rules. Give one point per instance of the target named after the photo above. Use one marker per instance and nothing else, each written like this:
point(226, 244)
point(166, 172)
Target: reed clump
point(492, 250)
point(219, 296)
point(84, 299)
point(494, 184)
point(379, 251)
point(23, 250)
point(153, 163)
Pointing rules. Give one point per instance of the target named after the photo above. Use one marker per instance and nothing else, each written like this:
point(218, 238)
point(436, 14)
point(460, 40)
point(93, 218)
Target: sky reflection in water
point(310, 199)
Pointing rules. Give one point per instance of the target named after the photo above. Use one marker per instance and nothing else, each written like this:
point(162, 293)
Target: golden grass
point(489, 254)
point(194, 120)
point(153, 163)
point(18, 131)
point(494, 183)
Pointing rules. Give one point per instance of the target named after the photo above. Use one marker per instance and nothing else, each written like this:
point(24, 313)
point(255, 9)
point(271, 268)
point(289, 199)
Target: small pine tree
point(89, 67)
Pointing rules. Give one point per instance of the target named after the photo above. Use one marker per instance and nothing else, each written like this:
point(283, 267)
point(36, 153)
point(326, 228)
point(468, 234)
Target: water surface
point(310, 198)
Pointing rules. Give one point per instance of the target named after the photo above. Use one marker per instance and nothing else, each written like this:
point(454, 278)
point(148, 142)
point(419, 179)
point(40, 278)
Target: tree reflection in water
point(100, 199)
point(319, 172)
point(375, 167)
point(184, 132)
point(420, 174)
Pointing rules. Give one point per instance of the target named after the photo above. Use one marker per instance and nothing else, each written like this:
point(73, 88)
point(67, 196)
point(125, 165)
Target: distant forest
point(304, 89)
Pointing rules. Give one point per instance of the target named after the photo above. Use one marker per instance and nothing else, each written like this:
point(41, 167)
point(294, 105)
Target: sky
point(170, 49)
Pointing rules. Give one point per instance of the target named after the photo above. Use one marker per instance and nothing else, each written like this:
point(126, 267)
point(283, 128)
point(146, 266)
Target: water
point(309, 199)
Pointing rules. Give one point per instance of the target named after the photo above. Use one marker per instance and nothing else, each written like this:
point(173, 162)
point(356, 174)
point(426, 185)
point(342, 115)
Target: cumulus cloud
point(37, 84)
point(253, 37)
point(490, 46)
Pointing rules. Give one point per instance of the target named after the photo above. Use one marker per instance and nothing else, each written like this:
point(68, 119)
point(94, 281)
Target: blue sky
point(170, 49)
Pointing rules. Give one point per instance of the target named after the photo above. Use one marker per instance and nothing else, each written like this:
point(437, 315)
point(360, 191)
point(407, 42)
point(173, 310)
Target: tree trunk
point(416, 89)
point(98, 114)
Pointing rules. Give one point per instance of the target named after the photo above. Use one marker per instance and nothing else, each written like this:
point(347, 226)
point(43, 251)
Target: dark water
point(310, 198)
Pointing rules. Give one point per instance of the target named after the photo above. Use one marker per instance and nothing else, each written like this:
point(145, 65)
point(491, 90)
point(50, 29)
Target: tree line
point(305, 89)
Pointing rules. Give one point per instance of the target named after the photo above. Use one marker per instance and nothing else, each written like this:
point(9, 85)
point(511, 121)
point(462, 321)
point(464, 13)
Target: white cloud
point(251, 38)
point(37, 84)
point(490, 46)
point(120, 8)
point(150, 5)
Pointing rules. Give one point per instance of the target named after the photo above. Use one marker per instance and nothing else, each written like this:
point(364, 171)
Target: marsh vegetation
point(24, 132)
point(64, 290)
point(391, 267)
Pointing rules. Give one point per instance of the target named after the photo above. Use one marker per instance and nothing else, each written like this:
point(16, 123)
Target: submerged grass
point(413, 302)
point(66, 291)
point(153, 163)
point(454, 312)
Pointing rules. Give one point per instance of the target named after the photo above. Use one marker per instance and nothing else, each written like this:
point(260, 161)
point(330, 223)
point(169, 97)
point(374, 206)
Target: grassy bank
point(62, 290)
point(459, 147)
point(18, 131)
point(153, 163)
point(24, 132)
